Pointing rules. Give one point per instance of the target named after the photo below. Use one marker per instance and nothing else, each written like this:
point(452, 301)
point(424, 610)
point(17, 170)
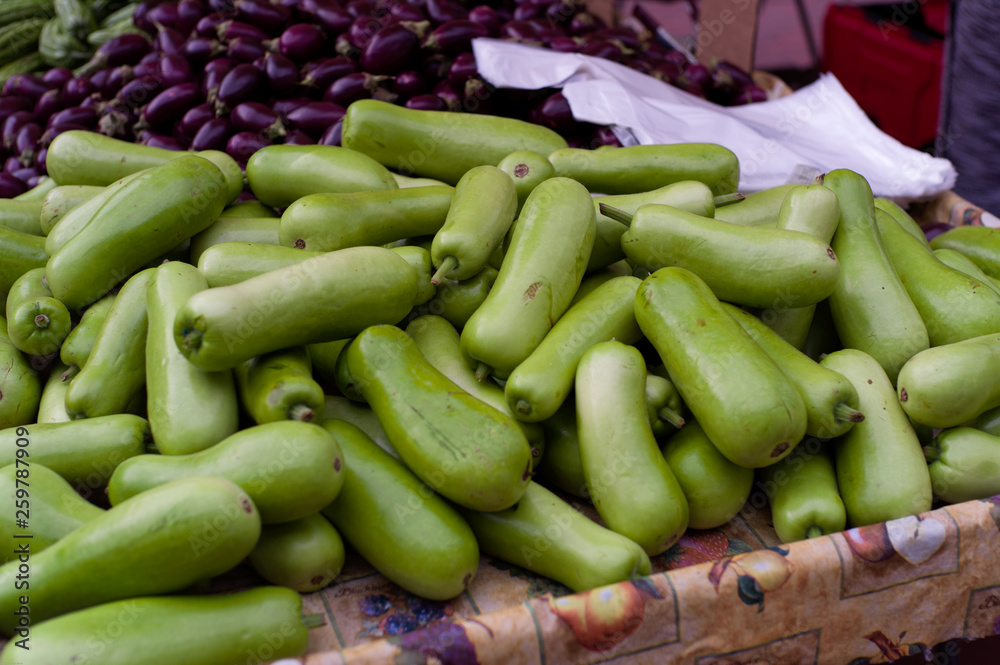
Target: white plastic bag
point(816, 129)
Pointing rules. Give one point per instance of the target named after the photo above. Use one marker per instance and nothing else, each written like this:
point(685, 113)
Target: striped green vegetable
point(59, 48)
point(12, 11)
point(106, 33)
point(19, 38)
point(23, 65)
point(120, 14)
point(76, 17)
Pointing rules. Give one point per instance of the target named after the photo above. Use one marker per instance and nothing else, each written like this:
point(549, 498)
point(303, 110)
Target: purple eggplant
point(26, 85)
point(301, 42)
point(352, 87)
point(308, 8)
point(76, 90)
point(604, 136)
point(298, 137)
point(426, 103)
point(243, 145)
point(285, 106)
point(52, 132)
point(554, 112)
point(154, 140)
point(603, 48)
point(281, 73)
point(654, 53)
point(174, 69)
point(638, 65)
point(50, 102)
point(342, 45)
point(698, 76)
point(12, 125)
point(94, 101)
point(231, 29)
point(209, 24)
point(315, 118)
point(117, 78)
point(9, 105)
point(362, 30)
point(125, 49)
point(668, 71)
point(549, 33)
point(257, 117)
point(462, 69)
point(265, 15)
point(335, 20)
point(454, 36)
point(562, 12)
point(40, 158)
point(624, 35)
point(168, 41)
point(165, 14)
point(57, 77)
point(934, 229)
point(100, 78)
point(478, 97)
point(434, 67)
point(189, 12)
point(213, 135)
point(391, 50)
point(410, 84)
point(199, 50)
point(442, 11)
point(195, 117)
point(25, 142)
point(358, 8)
point(169, 106)
point(321, 73)
point(222, 6)
point(487, 17)
point(526, 11)
point(148, 64)
point(332, 135)
point(139, 18)
point(564, 45)
point(11, 186)
point(749, 94)
point(74, 115)
point(242, 84)
point(25, 174)
point(520, 31)
point(138, 92)
point(215, 72)
point(448, 94)
point(404, 11)
point(244, 49)
point(11, 164)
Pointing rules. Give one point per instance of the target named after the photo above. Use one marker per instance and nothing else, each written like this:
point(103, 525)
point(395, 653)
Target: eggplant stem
point(616, 214)
point(672, 417)
point(846, 412)
point(727, 199)
point(447, 265)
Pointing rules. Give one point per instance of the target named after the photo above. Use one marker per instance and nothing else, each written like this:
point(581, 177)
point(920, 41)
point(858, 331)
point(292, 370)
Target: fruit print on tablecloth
point(885, 555)
point(757, 572)
point(696, 547)
point(889, 649)
point(609, 622)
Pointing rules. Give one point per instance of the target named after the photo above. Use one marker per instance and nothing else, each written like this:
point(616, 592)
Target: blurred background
point(887, 55)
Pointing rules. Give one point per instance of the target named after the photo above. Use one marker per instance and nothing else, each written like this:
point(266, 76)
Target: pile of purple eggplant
point(237, 75)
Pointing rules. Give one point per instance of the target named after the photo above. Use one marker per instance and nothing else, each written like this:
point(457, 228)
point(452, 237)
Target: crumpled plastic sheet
point(790, 139)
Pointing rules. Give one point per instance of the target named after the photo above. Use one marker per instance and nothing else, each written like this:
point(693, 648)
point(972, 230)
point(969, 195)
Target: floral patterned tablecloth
point(730, 596)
